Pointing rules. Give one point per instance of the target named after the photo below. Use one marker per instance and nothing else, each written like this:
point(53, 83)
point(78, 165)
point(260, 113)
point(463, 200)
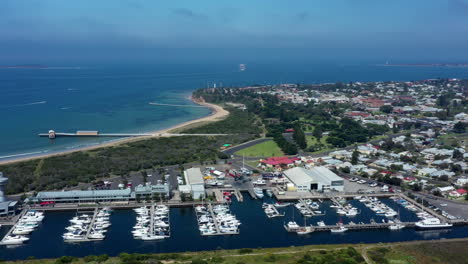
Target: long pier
point(98, 135)
point(152, 220)
point(90, 227)
point(215, 221)
point(179, 105)
point(352, 226)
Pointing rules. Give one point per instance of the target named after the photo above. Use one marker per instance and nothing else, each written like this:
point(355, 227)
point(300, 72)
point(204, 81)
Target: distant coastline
point(458, 65)
point(217, 113)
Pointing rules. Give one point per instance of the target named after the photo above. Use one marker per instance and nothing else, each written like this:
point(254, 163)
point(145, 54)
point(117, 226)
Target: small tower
point(51, 134)
point(3, 182)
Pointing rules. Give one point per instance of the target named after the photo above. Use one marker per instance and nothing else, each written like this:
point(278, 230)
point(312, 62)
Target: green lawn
point(264, 149)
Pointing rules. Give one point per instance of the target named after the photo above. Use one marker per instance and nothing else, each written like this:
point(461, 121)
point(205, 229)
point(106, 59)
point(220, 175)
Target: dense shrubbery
point(238, 122)
point(342, 256)
point(68, 170)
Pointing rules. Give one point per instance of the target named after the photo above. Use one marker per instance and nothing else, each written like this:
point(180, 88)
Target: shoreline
point(217, 113)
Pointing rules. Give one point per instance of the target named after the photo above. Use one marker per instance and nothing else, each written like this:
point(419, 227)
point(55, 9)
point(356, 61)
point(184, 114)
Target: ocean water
point(256, 231)
point(115, 99)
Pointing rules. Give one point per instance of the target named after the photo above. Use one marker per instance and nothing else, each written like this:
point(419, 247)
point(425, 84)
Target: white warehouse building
point(195, 185)
point(316, 179)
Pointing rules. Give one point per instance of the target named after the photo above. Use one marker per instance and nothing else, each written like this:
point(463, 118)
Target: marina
point(216, 220)
point(257, 228)
point(86, 228)
point(152, 223)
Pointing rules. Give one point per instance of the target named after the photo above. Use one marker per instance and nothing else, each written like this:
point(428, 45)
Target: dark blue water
point(256, 231)
point(115, 99)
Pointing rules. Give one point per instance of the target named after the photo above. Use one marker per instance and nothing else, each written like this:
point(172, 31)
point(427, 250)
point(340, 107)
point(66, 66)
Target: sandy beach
point(218, 113)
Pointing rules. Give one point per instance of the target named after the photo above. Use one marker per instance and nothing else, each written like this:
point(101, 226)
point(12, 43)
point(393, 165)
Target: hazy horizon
point(137, 31)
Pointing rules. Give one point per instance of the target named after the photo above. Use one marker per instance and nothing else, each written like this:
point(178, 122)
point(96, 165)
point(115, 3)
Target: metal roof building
point(90, 196)
point(299, 177)
point(317, 178)
point(194, 176)
point(195, 183)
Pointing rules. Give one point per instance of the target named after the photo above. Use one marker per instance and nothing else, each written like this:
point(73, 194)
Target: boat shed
point(149, 190)
point(91, 196)
point(317, 178)
point(328, 179)
point(195, 183)
point(299, 177)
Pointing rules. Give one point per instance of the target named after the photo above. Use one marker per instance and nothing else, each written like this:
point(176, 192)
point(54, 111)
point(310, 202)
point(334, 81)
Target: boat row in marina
point(152, 223)
point(308, 208)
point(25, 225)
point(85, 227)
point(344, 208)
point(216, 220)
point(271, 210)
point(378, 207)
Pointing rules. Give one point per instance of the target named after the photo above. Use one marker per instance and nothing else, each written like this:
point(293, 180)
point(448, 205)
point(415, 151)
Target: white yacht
point(291, 226)
point(396, 226)
point(305, 230)
point(258, 192)
point(432, 223)
point(339, 229)
point(14, 240)
point(281, 205)
point(321, 223)
point(152, 237)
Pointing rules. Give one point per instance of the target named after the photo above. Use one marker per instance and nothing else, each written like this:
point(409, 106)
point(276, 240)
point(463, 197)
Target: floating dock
point(351, 226)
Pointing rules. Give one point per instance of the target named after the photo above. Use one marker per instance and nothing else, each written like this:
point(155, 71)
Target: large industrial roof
point(302, 176)
point(194, 176)
point(85, 194)
point(298, 176)
point(324, 174)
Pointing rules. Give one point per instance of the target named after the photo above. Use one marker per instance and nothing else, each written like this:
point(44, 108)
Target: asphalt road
point(242, 146)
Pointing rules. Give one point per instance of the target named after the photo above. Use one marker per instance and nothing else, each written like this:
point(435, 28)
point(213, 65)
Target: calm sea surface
point(116, 99)
point(256, 231)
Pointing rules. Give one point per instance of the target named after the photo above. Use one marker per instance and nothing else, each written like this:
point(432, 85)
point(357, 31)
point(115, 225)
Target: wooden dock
point(90, 227)
point(215, 222)
point(351, 226)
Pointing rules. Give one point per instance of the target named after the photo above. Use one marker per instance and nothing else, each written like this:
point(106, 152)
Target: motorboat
point(258, 192)
point(305, 230)
point(22, 231)
point(281, 205)
point(14, 240)
point(292, 225)
point(152, 237)
point(269, 193)
point(259, 181)
point(432, 223)
point(321, 223)
point(96, 236)
point(396, 226)
point(339, 229)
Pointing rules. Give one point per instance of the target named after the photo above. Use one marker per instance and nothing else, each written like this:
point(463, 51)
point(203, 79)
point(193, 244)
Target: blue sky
point(226, 30)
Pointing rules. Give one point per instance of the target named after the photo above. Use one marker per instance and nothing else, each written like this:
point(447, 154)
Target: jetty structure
point(91, 133)
point(94, 133)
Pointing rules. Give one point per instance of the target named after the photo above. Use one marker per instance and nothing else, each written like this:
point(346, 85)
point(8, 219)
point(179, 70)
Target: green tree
point(299, 137)
point(386, 109)
point(355, 157)
point(459, 127)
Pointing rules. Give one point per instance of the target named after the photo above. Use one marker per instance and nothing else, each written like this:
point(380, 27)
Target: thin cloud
point(185, 12)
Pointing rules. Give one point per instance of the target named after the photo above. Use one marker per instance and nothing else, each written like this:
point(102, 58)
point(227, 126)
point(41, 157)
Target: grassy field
point(452, 139)
point(436, 252)
point(264, 149)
